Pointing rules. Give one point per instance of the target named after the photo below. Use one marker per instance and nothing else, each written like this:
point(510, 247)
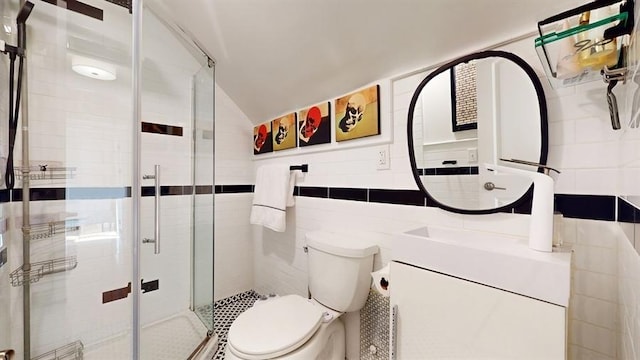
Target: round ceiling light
point(94, 69)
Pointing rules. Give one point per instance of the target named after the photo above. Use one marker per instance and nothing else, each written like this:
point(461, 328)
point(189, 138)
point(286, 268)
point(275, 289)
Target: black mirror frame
point(544, 143)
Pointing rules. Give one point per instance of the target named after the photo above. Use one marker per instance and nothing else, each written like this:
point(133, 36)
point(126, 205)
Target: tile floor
point(222, 313)
point(374, 319)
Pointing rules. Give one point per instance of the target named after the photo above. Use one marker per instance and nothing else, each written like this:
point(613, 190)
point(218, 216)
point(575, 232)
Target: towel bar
point(304, 167)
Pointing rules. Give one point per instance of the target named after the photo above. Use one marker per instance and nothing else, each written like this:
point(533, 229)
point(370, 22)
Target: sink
point(500, 261)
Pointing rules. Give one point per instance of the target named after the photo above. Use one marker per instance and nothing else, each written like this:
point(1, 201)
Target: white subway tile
point(597, 181)
point(580, 353)
point(572, 107)
point(594, 338)
point(600, 286)
point(594, 311)
point(585, 156)
point(595, 129)
point(562, 132)
point(628, 179)
point(598, 233)
point(595, 259)
point(565, 182)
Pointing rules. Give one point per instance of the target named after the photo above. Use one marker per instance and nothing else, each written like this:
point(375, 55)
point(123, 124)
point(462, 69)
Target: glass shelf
point(576, 45)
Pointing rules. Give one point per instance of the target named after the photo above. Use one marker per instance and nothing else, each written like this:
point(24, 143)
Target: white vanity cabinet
point(445, 317)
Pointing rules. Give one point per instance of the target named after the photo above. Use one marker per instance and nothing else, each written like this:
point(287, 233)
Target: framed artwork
point(464, 98)
point(262, 141)
point(358, 114)
point(314, 125)
point(283, 132)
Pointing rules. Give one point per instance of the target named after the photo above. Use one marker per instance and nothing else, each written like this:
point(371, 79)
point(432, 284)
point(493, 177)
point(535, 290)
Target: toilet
point(293, 327)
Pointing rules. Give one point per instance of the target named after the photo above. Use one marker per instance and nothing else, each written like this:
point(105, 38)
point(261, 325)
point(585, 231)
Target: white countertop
point(501, 261)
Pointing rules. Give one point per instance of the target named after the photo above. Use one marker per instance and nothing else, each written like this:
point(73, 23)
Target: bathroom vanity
point(470, 295)
point(460, 294)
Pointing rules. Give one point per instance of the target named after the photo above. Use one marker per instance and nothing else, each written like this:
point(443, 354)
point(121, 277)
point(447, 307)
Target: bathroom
point(598, 165)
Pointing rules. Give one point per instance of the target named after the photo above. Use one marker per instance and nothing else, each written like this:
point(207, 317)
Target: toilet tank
point(339, 270)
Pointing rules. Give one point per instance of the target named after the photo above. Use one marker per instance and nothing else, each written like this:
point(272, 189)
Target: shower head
point(24, 12)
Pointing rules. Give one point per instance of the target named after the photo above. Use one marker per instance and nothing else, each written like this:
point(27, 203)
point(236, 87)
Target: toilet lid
point(276, 327)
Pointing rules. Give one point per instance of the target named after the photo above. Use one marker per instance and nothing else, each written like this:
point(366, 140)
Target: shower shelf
point(52, 228)
point(45, 172)
point(73, 351)
point(39, 269)
point(567, 39)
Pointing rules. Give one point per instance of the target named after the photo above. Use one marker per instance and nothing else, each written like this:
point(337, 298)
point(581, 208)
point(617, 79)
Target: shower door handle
point(156, 211)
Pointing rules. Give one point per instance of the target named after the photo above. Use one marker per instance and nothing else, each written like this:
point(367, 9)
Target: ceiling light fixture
point(94, 69)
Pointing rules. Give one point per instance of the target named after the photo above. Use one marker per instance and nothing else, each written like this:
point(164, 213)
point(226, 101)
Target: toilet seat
point(274, 328)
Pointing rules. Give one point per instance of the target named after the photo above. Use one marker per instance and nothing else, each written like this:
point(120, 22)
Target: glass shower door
point(68, 218)
point(67, 229)
point(176, 143)
point(203, 201)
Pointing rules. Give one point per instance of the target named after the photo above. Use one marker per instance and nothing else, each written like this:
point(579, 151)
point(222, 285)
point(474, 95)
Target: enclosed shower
point(107, 158)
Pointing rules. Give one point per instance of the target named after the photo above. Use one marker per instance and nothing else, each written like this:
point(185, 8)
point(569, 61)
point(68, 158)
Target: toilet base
point(328, 343)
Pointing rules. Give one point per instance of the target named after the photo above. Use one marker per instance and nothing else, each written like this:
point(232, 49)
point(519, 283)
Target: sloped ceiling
point(277, 56)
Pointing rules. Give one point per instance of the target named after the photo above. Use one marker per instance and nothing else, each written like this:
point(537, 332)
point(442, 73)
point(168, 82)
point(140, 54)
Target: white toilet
point(293, 327)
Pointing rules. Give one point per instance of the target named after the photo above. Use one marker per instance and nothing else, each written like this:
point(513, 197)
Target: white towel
point(273, 193)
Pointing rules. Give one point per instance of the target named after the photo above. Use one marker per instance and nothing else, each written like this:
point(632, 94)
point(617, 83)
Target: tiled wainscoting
point(578, 206)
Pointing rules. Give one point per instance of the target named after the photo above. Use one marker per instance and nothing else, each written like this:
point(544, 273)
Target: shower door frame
point(138, 9)
point(136, 73)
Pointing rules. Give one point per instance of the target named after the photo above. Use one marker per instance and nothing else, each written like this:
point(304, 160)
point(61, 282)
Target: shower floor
point(169, 339)
point(226, 311)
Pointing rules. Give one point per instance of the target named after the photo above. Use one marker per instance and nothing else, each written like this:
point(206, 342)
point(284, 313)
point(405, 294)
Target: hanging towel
point(273, 193)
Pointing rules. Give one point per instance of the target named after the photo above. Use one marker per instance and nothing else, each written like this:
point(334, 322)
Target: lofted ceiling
point(277, 56)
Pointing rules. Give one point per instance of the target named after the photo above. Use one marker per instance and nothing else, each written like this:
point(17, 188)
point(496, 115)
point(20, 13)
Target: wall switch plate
point(473, 155)
point(382, 157)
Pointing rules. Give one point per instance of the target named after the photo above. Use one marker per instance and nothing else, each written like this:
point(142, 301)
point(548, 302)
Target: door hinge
point(116, 294)
point(152, 285)
point(122, 293)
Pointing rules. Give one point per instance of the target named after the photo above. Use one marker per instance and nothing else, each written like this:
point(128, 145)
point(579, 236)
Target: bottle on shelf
point(594, 51)
point(567, 65)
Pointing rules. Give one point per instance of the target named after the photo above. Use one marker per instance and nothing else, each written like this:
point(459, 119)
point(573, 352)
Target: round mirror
point(483, 108)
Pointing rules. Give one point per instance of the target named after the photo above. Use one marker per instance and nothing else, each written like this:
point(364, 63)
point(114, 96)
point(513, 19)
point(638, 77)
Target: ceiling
point(278, 56)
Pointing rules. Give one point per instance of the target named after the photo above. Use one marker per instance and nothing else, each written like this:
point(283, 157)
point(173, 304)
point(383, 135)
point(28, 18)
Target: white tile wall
point(582, 145)
point(233, 262)
point(234, 259)
point(233, 146)
point(629, 295)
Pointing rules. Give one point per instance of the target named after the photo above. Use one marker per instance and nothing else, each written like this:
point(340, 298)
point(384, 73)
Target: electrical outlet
point(383, 157)
point(473, 155)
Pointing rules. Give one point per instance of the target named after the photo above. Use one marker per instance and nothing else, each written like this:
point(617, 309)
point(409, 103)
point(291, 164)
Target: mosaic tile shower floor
point(225, 311)
point(168, 339)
